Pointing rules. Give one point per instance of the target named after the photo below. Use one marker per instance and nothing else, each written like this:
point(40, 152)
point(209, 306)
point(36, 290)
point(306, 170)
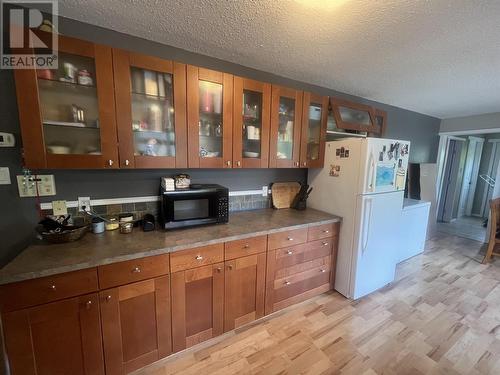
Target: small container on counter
point(98, 225)
point(112, 224)
point(126, 227)
point(126, 217)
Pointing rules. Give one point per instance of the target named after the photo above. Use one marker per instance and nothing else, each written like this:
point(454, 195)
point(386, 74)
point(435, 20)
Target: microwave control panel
point(223, 209)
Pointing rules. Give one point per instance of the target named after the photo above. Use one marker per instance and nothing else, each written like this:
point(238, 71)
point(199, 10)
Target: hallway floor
point(466, 226)
point(441, 316)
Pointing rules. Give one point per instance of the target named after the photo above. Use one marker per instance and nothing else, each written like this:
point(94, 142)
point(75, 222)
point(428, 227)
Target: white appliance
point(363, 181)
point(413, 232)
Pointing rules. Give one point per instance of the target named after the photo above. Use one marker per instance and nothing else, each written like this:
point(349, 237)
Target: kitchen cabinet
point(313, 138)
point(210, 118)
point(150, 111)
point(136, 324)
point(197, 305)
point(380, 122)
point(244, 284)
point(354, 116)
point(57, 338)
point(252, 106)
point(286, 119)
point(67, 115)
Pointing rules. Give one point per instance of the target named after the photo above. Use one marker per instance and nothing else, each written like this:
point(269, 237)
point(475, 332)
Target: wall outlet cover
point(84, 202)
point(59, 208)
point(28, 185)
point(265, 191)
point(4, 176)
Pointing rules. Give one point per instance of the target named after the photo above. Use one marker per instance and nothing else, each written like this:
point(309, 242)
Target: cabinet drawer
point(132, 270)
point(300, 276)
point(288, 238)
point(199, 256)
point(301, 286)
point(247, 246)
point(322, 231)
point(302, 253)
point(47, 289)
point(322, 262)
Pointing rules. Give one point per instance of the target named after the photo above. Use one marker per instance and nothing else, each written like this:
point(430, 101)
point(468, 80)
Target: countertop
point(92, 250)
point(414, 203)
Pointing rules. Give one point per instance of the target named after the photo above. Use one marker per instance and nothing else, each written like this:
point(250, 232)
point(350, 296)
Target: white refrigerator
point(363, 181)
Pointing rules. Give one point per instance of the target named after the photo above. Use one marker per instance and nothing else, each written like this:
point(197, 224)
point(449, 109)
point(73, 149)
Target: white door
point(385, 165)
point(471, 171)
point(379, 216)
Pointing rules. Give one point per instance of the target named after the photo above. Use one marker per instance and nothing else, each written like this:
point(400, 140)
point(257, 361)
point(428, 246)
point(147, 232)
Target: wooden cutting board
point(283, 193)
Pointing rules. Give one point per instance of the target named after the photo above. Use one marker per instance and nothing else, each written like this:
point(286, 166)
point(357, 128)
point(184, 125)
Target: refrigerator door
point(385, 162)
point(375, 242)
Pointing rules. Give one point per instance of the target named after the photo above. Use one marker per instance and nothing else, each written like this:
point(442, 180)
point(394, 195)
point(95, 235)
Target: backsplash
point(139, 209)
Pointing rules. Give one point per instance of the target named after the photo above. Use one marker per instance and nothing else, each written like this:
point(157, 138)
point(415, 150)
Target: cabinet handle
point(229, 266)
point(290, 238)
point(228, 163)
point(289, 252)
point(325, 243)
point(322, 271)
point(295, 163)
point(108, 298)
point(238, 163)
point(88, 305)
point(218, 269)
point(287, 282)
point(304, 164)
point(110, 162)
point(246, 246)
point(127, 162)
point(198, 257)
point(53, 287)
point(136, 270)
point(326, 231)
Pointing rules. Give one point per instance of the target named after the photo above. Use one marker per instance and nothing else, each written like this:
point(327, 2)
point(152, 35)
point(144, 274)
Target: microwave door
point(191, 209)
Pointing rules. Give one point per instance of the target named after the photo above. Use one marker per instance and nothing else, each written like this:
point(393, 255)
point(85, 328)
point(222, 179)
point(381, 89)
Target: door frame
point(486, 187)
point(472, 165)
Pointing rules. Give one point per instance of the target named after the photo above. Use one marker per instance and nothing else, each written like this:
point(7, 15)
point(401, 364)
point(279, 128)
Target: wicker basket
point(69, 234)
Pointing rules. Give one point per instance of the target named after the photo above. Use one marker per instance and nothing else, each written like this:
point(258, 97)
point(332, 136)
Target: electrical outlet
point(84, 202)
point(28, 185)
point(264, 191)
point(4, 176)
point(59, 208)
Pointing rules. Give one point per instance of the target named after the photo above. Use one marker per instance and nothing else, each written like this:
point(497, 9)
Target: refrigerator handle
point(366, 224)
point(371, 162)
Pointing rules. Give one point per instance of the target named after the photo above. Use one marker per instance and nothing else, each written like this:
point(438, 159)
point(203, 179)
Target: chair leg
point(489, 252)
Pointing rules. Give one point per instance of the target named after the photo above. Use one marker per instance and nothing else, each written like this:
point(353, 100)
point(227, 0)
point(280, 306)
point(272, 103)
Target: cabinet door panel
point(151, 111)
point(314, 122)
point(252, 106)
point(67, 115)
point(136, 324)
point(55, 339)
point(197, 305)
point(353, 116)
point(286, 120)
point(244, 290)
point(210, 106)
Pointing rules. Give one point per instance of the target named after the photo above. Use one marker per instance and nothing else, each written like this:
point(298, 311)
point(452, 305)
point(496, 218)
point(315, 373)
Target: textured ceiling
point(439, 57)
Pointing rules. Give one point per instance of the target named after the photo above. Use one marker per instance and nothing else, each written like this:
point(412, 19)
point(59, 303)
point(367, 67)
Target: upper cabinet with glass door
point(67, 115)
point(286, 118)
point(314, 122)
point(353, 116)
point(252, 106)
point(210, 105)
point(151, 111)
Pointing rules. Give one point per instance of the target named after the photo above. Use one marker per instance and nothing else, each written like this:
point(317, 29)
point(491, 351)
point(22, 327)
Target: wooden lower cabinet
point(136, 325)
point(57, 338)
point(244, 290)
point(197, 305)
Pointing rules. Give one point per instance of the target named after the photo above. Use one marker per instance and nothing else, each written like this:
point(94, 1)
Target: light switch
point(59, 208)
point(4, 176)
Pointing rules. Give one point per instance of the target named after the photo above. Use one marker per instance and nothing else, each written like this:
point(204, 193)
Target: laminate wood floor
point(441, 316)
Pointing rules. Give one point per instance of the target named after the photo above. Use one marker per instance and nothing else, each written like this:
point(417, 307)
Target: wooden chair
point(494, 229)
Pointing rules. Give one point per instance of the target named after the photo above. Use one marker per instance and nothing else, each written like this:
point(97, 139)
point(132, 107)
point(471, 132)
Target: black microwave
point(197, 205)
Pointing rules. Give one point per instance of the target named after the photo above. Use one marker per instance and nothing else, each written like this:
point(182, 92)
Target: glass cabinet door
point(353, 116)
point(286, 116)
point(150, 121)
point(380, 123)
point(75, 108)
point(209, 118)
point(251, 123)
point(314, 121)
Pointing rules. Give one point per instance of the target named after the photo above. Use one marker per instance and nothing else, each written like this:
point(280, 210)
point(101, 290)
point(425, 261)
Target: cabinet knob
point(108, 298)
point(290, 238)
point(246, 246)
point(53, 287)
point(110, 162)
point(322, 271)
point(218, 269)
point(326, 231)
point(136, 270)
point(325, 243)
point(289, 252)
point(238, 163)
point(228, 163)
point(304, 164)
point(229, 266)
point(295, 163)
point(127, 162)
point(287, 282)
point(199, 257)
point(88, 304)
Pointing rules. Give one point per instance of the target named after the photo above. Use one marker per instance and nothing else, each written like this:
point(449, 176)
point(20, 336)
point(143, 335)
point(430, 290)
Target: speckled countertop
point(97, 249)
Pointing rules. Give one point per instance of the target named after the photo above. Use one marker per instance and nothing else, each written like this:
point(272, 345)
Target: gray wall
point(488, 121)
point(19, 215)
